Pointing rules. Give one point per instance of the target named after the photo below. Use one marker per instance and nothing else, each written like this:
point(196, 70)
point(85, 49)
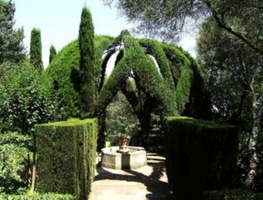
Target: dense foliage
point(26, 99)
point(52, 53)
point(64, 71)
point(200, 155)
point(228, 61)
point(36, 49)
point(13, 154)
point(148, 91)
point(38, 196)
point(165, 19)
point(120, 120)
point(11, 40)
point(66, 157)
point(87, 63)
point(231, 195)
point(150, 80)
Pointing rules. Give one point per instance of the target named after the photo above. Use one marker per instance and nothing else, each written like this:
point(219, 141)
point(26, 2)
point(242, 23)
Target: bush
point(199, 155)
point(66, 157)
point(37, 196)
point(231, 195)
point(26, 99)
point(13, 152)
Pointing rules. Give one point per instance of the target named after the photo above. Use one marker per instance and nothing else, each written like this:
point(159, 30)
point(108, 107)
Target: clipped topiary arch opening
point(156, 78)
point(169, 90)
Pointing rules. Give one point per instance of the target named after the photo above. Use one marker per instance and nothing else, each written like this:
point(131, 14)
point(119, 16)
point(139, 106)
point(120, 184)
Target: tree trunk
point(32, 188)
point(101, 131)
point(145, 123)
point(253, 163)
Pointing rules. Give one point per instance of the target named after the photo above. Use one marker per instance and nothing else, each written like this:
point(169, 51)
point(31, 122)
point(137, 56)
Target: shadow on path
point(156, 188)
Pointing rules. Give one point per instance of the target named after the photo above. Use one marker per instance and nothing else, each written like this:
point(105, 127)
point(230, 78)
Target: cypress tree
point(52, 53)
point(36, 49)
point(87, 63)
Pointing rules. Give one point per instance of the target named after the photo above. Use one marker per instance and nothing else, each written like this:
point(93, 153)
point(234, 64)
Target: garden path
point(145, 183)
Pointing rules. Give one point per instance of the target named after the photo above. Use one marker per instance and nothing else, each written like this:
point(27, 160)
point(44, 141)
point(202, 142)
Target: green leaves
point(38, 196)
point(26, 99)
point(11, 40)
point(87, 63)
point(13, 152)
point(52, 53)
point(36, 49)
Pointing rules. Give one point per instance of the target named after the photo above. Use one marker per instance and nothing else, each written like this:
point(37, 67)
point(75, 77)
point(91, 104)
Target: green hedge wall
point(66, 157)
point(200, 155)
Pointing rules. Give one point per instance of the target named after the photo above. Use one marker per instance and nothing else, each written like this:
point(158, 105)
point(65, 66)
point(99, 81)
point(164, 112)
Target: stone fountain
point(123, 156)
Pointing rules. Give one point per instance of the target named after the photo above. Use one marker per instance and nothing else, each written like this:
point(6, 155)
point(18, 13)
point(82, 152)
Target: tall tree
point(11, 40)
point(87, 63)
point(36, 49)
point(235, 81)
point(52, 53)
point(167, 18)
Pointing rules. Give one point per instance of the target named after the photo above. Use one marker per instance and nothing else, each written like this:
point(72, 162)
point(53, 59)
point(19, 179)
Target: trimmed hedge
point(146, 77)
point(64, 71)
point(37, 196)
point(180, 67)
point(155, 49)
point(66, 157)
point(200, 155)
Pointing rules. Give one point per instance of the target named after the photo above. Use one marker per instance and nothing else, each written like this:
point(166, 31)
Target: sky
point(58, 21)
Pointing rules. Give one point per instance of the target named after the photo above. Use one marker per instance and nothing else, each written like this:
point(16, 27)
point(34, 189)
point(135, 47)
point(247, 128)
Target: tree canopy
point(235, 81)
point(11, 40)
point(167, 18)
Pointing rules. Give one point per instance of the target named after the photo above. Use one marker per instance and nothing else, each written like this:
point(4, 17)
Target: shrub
point(231, 195)
point(26, 99)
point(37, 196)
point(66, 157)
point(13, 152)
point(199, 155)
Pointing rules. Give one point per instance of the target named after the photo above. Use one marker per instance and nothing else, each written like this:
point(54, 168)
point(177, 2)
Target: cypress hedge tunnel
point(155, 77)
point(172, 87)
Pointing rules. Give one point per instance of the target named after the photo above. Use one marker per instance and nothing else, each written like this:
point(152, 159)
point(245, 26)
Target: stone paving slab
point(146, 183)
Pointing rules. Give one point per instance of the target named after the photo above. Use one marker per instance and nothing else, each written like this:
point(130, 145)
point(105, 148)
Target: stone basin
point(135, 158)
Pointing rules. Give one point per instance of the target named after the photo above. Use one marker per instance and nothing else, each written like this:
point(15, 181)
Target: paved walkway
point(145, 183)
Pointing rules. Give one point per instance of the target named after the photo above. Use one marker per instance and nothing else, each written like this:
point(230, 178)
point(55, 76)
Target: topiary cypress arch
point(172, 91)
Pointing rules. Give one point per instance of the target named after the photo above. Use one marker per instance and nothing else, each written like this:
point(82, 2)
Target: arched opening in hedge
point(177, 88)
